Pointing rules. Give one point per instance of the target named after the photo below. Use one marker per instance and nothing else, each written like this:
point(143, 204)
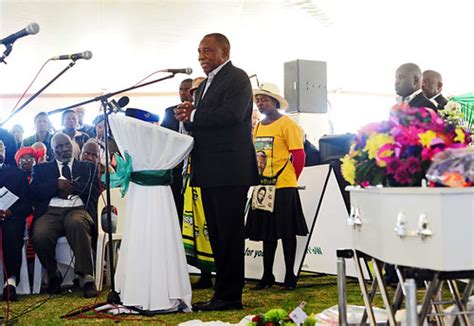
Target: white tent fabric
point(152, 272)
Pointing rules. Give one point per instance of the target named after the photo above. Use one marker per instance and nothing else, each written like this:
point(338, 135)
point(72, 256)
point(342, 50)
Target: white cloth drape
point(152, 271)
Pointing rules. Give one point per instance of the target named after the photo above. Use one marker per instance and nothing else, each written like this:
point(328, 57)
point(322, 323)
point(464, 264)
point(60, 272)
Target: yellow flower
point(460, 136)
point(385, 153)
point(348, 169)
point(375, 141)
point(427, 137)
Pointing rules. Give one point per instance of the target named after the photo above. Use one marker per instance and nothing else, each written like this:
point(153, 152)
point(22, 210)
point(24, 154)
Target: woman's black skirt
point(286, 220)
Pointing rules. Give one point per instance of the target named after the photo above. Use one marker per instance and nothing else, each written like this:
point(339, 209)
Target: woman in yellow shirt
point(276, 211)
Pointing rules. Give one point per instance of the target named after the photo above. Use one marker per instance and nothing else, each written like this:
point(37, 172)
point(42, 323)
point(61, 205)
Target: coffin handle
point(423, 230)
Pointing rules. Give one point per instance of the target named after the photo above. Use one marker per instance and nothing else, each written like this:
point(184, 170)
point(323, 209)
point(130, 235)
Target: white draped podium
point(152, 272)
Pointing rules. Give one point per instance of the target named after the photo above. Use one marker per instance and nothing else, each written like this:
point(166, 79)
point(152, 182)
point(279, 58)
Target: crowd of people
point(56, 177)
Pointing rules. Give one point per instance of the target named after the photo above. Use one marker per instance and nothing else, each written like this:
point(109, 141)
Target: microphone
point(122, 102)
point(76, 56)
point(32, 28)
point(187, 71)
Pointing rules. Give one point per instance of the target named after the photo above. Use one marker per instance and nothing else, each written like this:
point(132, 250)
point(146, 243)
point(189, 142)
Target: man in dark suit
point(170, 122)
point(432, 87)
point(13, 223)
point(408, 87)
point(10, 146)
point(65, 192)
point(224, 164)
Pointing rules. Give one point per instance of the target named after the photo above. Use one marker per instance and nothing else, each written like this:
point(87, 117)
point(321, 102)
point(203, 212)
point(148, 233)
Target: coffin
point(429, 228)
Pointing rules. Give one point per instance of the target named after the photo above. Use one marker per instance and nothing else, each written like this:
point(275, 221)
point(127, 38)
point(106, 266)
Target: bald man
point(408, 87)
point(432, 87)
point(65, 192)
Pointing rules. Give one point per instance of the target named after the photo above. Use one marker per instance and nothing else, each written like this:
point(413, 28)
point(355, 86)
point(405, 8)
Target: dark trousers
point(13, 230)
point(74, 223)
point(224, 208)
point(177, 189)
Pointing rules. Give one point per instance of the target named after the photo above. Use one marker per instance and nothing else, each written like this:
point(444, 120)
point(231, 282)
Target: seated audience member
point(65, 192)
point(42, 127)
point(100, 139)
point(82, 127)
point(78, 138)
point(10, 146)
point(41, 152)
point(17, 132)
point(91, 153)
point(13, 224)
point(408, 87)
point(432, 87)
point(26, 158)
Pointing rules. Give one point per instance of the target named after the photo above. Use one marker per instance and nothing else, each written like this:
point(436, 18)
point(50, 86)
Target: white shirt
point(209, 80)
point(73, 200)
point(408, 98)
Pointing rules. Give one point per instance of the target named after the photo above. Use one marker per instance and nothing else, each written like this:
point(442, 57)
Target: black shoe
point(9, 293)
point(203, 283)
point(264, 283)
point(90, 291)
point(290, 282)
point(54, 283)
point(218, 305)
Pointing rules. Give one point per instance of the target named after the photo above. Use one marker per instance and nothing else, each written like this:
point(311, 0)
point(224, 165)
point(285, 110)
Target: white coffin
point(429, 228)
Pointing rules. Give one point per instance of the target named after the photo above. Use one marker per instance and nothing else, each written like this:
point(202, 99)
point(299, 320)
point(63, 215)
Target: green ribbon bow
point(124, 175)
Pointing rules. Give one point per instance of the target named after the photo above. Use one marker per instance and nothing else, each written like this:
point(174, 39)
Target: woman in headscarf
point(276, 213)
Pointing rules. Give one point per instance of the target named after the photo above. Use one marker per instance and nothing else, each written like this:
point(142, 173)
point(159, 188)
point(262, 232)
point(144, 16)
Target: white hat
point(272, 91)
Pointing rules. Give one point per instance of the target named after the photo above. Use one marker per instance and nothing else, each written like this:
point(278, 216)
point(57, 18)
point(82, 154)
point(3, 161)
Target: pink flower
point(393, 164)
point(402, 176)
point(365, 184)
point(413, 165)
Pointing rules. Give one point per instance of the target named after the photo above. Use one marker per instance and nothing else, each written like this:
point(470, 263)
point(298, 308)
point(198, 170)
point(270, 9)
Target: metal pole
point(410, 287)
point(341, 290)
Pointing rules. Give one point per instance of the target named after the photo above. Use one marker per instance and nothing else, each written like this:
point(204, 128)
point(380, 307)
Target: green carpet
point(320, 292)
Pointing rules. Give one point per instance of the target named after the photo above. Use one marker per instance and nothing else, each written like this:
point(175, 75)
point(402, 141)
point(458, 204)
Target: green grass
point(318, 292)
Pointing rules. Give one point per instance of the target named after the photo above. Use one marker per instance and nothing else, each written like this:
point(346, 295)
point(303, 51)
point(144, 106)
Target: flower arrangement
point(277, 317)
point(452, 112)
point(398, 152)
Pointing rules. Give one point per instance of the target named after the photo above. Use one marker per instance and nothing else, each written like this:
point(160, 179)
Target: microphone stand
point(113, 298)
point(35, 95)
point(7, 51)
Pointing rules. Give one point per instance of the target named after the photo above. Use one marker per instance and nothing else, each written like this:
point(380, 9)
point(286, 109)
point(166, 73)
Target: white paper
point(7, 198)
point(298, 316)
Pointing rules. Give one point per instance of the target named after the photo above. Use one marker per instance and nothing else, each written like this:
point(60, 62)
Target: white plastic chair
point(65, 260)
point(24, 285)
point(120, 204)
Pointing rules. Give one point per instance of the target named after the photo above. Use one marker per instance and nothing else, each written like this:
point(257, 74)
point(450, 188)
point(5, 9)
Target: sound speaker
point(333, 147)
point(305, 86)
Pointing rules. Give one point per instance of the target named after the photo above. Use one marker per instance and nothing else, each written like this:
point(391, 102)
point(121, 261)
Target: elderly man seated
point(65, 193)
point(12, 223)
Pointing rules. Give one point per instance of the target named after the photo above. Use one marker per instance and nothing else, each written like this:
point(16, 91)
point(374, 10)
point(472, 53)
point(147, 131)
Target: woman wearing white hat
point(280, 155)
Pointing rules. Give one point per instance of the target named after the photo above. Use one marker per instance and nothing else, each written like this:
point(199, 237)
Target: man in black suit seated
point(10, 146)
point(65, 192)
point(224, 163)
point(432, 87)
point(12, 221)
point(408, 87)
point(170, 122)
